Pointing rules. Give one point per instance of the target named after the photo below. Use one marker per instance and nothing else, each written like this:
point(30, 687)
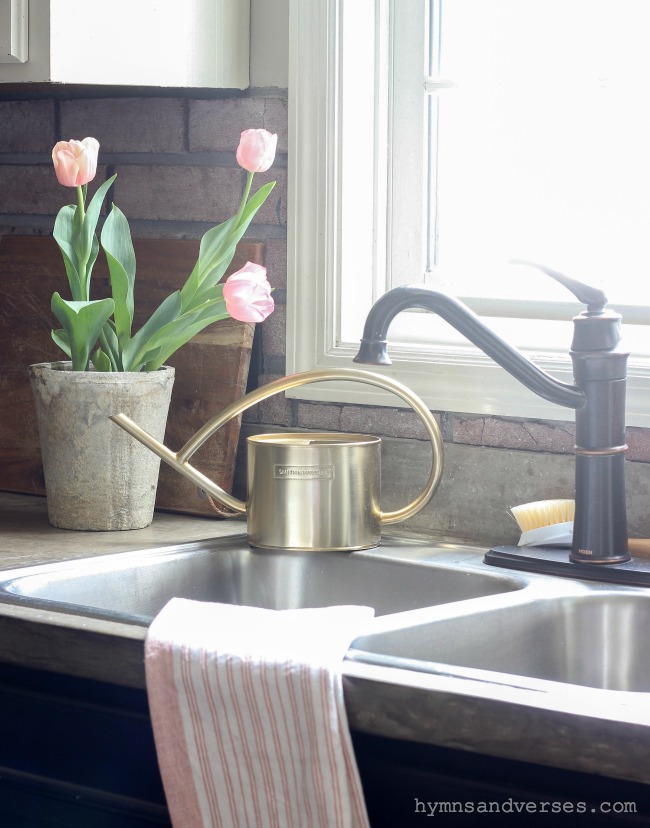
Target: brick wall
point(177, 175)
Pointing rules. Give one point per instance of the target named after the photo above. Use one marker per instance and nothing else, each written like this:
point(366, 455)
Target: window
point(437, 140)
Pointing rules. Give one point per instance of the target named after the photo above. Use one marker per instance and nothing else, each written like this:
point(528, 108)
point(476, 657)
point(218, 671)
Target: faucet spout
point(373, 348)
point(597, 395)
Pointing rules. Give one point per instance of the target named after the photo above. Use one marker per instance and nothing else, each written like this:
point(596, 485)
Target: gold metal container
point(314, 491)
point(308, 491)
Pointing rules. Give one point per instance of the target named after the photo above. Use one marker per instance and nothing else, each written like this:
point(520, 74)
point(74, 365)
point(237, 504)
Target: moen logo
point(303, 472)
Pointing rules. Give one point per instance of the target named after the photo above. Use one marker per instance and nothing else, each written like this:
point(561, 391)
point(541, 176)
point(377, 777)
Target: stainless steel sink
point(597, 638)
point(439, 609)
point(460, 654)
point(134, 586)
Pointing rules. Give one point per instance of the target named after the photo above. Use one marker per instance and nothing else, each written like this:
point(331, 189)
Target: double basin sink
point(439, 610)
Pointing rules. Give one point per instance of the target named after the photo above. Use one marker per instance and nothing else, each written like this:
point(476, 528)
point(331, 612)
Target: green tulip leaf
point(218, 266)
point(90, 219)
point(139, 344)
point(150, 361)
point(64, 227)
point(118, 247)
point(254, 204)
point(82, 322)
point(60, 337)
point(101, 361)
point(94, 208)
point(63, 235)
point(218, 248)
point(211, 293)
point(94, 251)
point(178, 333)
point(211, 243)
point(110, 345)
point(191, 285)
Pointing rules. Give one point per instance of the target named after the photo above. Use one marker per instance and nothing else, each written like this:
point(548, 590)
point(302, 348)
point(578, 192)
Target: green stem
point(247, 190)
point(82, 204)
point(83, 261)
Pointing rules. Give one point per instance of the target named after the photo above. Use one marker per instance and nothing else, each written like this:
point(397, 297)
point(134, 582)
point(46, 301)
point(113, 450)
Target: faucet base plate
point(554, 560)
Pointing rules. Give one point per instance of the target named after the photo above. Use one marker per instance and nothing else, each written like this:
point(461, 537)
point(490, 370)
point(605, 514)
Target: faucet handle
point(592, 297)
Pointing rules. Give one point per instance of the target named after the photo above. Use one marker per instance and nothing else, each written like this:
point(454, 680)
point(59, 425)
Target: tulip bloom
point(75, 162)
point(256, 150)
point(247, 294)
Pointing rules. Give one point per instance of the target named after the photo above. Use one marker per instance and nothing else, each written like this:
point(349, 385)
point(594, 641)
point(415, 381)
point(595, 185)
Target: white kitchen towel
point(249, 718)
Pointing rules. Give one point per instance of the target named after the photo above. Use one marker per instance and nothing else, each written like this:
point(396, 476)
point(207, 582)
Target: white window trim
point(458, 378)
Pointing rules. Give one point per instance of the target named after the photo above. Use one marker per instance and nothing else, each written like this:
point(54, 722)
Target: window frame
point(322, 248)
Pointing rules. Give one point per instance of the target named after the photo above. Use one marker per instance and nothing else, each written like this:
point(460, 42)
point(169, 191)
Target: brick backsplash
point(29, 190)
point(129, 124)
point(528, 435)
point(26, 126)
point(177, 175)
point(174, 156)
point(179, 193)
point(215, 125)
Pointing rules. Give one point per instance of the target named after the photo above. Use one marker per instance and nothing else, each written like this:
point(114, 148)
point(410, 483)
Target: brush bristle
point(543, 513)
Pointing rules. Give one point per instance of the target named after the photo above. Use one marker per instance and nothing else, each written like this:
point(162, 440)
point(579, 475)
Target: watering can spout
point(144, 437)
point(307, 491)
point(176, 461)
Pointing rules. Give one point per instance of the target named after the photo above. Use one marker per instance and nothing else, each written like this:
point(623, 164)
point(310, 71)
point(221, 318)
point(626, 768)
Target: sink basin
point(598, 639)
point(134, 586)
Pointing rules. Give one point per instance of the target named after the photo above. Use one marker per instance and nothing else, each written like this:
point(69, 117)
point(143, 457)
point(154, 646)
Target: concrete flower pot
point(97, 477)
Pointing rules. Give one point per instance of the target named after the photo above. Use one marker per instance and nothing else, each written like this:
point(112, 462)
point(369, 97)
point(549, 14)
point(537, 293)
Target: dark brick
point(277, 409)
point(387, 422)
point(319, 416)
point(274, 332)
point(27, 189)
point(502, 433)
point(210, 194)
point(217, 125)
point(638, 440)
point(27, 126)
point(275, 261)
point(127, 124)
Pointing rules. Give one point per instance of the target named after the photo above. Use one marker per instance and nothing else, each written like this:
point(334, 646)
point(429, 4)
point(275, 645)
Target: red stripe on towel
point(198, 733)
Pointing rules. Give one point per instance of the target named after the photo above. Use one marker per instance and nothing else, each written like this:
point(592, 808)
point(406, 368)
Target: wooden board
point(211, 370)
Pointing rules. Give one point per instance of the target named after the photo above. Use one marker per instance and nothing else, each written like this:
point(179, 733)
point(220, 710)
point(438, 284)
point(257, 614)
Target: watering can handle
point(180, 460)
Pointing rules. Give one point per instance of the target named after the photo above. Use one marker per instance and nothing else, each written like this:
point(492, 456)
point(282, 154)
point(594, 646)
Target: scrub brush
point(550, 523)
point(545, 522)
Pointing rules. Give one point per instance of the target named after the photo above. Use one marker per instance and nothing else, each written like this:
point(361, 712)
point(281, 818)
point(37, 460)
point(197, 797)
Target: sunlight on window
point(533, 118)
point(544, 146)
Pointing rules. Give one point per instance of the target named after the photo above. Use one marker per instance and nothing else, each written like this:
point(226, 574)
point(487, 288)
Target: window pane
point(544, 147)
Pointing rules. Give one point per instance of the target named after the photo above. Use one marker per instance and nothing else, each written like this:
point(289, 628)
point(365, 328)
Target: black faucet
point(598, 397)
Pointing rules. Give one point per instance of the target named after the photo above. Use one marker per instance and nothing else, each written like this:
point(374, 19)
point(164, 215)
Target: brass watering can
point(307, 491)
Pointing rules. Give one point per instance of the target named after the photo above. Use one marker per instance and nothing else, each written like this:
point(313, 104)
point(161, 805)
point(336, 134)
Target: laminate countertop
point(27, 538)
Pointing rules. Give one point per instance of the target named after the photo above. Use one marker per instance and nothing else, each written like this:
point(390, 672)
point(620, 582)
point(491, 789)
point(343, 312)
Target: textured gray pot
point(97, 476)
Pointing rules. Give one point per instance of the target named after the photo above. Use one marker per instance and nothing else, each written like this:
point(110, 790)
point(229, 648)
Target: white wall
point(269, 58)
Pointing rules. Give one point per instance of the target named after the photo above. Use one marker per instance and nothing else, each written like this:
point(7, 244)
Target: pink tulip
point(75, 162)
point(256, 150)
point(248, 294)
